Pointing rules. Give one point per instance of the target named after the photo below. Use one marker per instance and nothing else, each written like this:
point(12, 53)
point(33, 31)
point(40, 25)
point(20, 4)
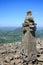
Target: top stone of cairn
point(29, 16)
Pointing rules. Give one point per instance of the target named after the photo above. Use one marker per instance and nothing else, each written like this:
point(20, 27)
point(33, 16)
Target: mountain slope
point(7, 36)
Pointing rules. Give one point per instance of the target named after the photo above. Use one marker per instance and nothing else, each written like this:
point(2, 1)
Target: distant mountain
point(9, 35)
point(39, 28)
point(8, 28)
point(39, 33)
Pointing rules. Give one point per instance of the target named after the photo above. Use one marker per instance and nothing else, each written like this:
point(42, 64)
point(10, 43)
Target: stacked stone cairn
point(28, 38)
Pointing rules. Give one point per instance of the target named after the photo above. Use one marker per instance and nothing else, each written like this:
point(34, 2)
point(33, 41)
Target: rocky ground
point(12, 54)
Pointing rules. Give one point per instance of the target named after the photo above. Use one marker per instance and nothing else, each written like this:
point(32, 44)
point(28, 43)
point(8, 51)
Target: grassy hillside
point(39, 33)
point(7, 36)
point(10, 36)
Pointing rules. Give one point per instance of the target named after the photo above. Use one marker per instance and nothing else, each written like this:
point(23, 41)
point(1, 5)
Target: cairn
point(28, 38)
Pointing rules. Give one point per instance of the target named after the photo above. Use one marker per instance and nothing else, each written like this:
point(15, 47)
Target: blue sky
point(13, 12)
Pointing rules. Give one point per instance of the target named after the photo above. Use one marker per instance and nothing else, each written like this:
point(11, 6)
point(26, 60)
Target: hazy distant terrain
point(39, 32)
point(8, 35)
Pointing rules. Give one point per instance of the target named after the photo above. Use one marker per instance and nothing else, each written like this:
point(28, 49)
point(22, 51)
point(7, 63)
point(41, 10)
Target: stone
point(17, 61)
point(28, 38)
point(17, 56)
point(13, 62)
point(7, 60)
point(29, 16)
point(19, 64)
